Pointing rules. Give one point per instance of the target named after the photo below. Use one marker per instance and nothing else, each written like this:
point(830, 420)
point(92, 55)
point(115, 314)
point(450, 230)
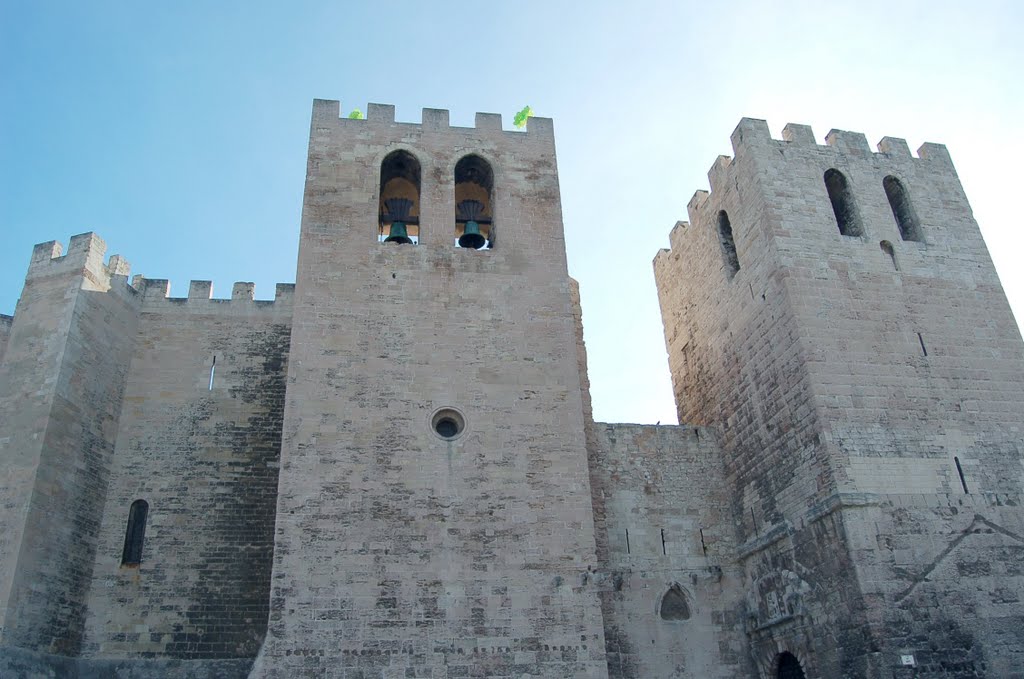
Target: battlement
point(156, 296)
point(751, 134)
point(328, 111)
point(85, 251)
point(752, 138)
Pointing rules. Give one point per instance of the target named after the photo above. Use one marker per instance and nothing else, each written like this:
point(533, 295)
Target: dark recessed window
point(843, 206)
point(902, 210)
point(725, 239)
point(135, 534)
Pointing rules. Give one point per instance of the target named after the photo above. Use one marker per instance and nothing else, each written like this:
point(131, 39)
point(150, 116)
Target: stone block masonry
point(392, 469)
point(836, 313)
point(401, 553)
point(665, 532)
point(199, 441)
point(5, 332)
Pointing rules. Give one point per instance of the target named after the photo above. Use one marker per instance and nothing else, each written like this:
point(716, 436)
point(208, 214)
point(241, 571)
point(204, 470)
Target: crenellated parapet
point(794, 166)
point(752, 135)
point(85, 257)
point(156, 297)
point(328, 111)
point(85, 254)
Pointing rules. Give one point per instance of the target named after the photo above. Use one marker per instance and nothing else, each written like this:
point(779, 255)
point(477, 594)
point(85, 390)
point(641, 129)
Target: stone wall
point(398, 552)
point(17, 662)
point(199, 441)
point(665, 529)
point(61, 383)
point(944, 576)
point(5, 332)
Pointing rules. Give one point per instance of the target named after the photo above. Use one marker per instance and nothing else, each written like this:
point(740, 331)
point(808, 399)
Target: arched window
point(842, 203)
point(399, 199)
point(474, 212)
point(789, 667)
point(135, 534)
point(902, 210)
point(673, 605)
point(732, 261)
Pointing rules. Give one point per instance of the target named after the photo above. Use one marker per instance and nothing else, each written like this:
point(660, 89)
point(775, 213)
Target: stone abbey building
point(319, 486)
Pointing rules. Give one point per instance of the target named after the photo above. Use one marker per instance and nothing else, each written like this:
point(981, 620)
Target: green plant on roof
point(521, 117)
point(356, 114)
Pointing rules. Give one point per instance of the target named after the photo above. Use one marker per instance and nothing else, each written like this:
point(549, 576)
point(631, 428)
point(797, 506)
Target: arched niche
point(399, 206)
point(474, 203)
point(674, 605)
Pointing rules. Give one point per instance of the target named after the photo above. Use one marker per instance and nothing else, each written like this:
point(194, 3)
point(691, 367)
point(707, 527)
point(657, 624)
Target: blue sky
point(179, 132)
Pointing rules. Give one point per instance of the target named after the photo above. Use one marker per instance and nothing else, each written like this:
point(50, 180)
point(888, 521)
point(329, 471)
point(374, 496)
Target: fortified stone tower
point(434, 510)
point(836, 313)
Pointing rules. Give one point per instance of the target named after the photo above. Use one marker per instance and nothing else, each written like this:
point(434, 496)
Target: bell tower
point(434, 506)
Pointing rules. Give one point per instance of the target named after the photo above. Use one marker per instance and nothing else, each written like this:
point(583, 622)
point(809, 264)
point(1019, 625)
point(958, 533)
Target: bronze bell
point(398, 234)
point(471, 236)
point(398, 211)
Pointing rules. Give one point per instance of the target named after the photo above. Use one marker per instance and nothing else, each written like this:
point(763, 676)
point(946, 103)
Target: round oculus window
point(448, 423)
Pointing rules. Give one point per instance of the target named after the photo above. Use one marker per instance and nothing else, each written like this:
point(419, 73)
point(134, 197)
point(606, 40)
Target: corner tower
point(836, 313)
point(434, 505)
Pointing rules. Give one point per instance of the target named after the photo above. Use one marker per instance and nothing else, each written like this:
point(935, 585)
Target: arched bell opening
point(399, 207)
point(474, 216)
point(788, 667)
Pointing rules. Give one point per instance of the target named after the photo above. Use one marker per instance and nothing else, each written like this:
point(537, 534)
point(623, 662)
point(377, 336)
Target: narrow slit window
point(627, 541)
point(664, 550)
point(960, 472)
point(902, 209)
point(135, 534)
point(725, 239)
point(213, 369)
point(924, 349)
point(839, 194)
point(474, 204)
point(399, 221)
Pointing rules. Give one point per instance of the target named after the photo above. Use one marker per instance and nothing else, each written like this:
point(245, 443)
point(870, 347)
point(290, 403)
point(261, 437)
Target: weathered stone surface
point(845, 494)
point(399, 553)
point(199, 441)
point(665, 529)
point(5, 332)
point(851, 378)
